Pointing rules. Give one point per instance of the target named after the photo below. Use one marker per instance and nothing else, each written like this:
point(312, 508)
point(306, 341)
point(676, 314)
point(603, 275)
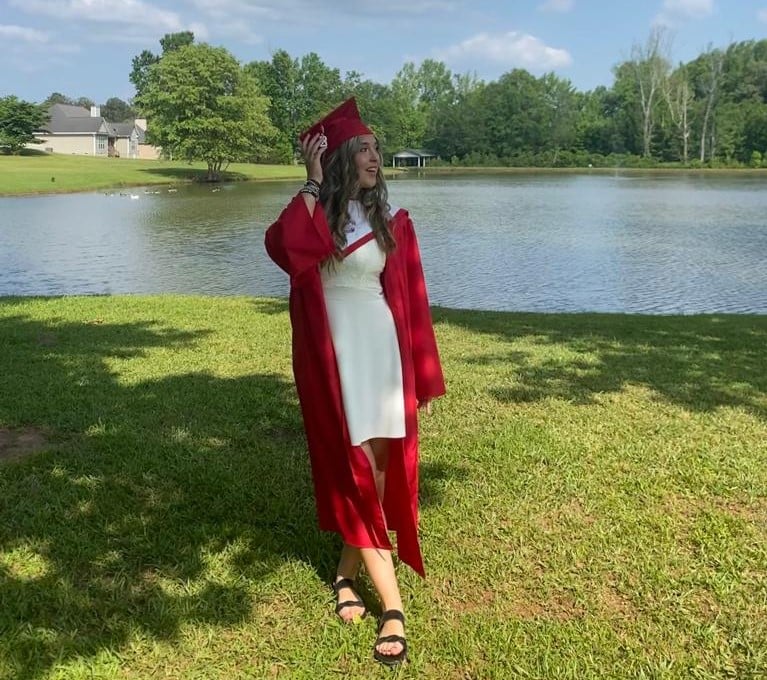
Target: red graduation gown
point(344, 485)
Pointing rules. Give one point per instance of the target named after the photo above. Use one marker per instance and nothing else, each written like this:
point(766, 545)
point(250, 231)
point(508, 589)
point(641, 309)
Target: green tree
point(18, 122)
point(57, 98)
point(117, 111)
point(559, 114)
point(512, 117)
point(175, 41)
point(85, 102)
point(278, 80)
point(437, 96)
point(143, 62)
point(202, 105)
point(320, 89)
point(406, 119)
point(300, 91)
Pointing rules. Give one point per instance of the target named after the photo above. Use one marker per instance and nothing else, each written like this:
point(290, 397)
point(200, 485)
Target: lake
point(641, 243)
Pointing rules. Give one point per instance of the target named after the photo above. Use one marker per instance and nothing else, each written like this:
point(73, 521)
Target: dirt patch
point(21, 443)
point(752, 511)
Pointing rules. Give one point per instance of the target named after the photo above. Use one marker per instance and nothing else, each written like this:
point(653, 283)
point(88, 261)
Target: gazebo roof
point(415, 153)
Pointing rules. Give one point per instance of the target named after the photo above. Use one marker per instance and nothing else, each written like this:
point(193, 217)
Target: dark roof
point(73, 119)
point(68, 119)
point(121, 129)
point(410, 153)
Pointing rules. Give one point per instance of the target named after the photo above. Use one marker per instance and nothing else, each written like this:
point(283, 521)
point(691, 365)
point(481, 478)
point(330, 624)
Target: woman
point(364, 358)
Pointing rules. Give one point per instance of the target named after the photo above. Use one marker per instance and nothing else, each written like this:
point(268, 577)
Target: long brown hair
point(340, 184)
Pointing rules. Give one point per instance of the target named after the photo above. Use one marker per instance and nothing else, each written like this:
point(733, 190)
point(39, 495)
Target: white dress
point(364, 338)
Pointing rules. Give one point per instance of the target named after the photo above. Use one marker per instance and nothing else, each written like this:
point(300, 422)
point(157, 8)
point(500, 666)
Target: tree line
point(202, 104)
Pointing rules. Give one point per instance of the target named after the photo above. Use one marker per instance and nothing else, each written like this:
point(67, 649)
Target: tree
point(713, 61)
point(559, 113)
point(175, 41)
point(58, 98)
point(202, 105)
point(678, 96)
point(407, 120)
point(18, 122)
point(320, 89)
point(141, 63)
point(85, 102)
point(436, 94)
point(139, 74)
point(117, 111)
point(651, 66)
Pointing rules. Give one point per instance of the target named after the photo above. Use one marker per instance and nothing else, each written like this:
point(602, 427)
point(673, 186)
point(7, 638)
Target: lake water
point(676, 243)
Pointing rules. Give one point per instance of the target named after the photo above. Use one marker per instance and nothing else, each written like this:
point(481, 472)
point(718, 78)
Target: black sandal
point(390, 659)
point(347, 583)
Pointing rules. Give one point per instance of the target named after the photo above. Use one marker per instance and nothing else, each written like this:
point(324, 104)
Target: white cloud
point(320, 10)
point(231, 9)
point(239, 31)
point(557, 6)
point(675, 11)
point(29, 35)
point(762, 15)
point(124, 12)
point(511, 49)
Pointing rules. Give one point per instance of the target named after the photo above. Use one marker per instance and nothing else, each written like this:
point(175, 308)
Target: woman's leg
point(348, 566)
point(378, 563)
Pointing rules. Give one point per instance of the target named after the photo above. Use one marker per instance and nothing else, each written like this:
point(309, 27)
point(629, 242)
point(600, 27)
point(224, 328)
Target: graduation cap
point(340, 124)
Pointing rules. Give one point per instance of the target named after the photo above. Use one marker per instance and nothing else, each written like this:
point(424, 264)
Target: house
point(147, 151)
point(411, 157)
point(76, 130)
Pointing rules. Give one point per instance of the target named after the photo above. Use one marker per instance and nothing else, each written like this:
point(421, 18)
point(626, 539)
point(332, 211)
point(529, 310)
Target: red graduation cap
point(340, 124)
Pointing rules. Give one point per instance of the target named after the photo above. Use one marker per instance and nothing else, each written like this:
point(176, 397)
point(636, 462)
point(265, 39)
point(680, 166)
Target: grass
point(57, 173)
point(594, 498)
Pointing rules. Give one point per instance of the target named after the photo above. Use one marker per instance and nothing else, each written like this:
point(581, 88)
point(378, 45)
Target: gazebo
point(411, 158)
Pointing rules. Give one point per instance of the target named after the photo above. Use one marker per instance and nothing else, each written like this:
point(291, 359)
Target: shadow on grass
point(193, 174)
point(697, 362)
point(158, 501)
point(271, 306)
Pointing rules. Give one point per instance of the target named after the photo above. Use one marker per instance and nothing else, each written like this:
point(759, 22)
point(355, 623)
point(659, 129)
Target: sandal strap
point(391, 638)
point(343, 583)
point(349, 603)
point(391, 615)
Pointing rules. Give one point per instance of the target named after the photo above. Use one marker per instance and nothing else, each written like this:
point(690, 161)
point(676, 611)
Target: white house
point(75, 130)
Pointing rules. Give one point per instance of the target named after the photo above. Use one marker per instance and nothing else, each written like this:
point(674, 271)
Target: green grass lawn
point(594, 498)
point(54, 173)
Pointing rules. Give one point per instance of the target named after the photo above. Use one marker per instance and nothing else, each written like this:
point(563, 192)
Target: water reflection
point(647, 243)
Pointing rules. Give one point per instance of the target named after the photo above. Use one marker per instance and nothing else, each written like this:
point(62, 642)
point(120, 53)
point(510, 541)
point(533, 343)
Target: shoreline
point(76, 174)
point(436, 308)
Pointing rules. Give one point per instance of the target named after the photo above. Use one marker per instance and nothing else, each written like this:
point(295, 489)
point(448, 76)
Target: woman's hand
point(425, 406)
point(312, 149)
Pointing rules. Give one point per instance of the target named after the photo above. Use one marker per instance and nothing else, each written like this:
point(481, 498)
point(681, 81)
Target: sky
point(83, 48)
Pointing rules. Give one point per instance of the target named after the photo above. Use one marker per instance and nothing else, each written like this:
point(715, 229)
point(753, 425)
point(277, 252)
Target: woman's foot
point(390, 647)
point(349, 605)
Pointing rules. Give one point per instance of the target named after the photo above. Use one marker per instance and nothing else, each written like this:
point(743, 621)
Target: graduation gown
point(344, 485)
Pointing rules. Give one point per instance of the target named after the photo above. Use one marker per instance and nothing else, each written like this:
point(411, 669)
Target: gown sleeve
point(298, 241)
point(429, 380)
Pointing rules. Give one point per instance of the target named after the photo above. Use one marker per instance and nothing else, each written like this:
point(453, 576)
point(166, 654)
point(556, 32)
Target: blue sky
point(84, 47)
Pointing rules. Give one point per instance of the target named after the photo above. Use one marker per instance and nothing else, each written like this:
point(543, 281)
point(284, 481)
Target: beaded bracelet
point(311, 187)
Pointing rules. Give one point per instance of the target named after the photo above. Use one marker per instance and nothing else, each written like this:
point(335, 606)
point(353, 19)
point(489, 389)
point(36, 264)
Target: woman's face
point(368, 161)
